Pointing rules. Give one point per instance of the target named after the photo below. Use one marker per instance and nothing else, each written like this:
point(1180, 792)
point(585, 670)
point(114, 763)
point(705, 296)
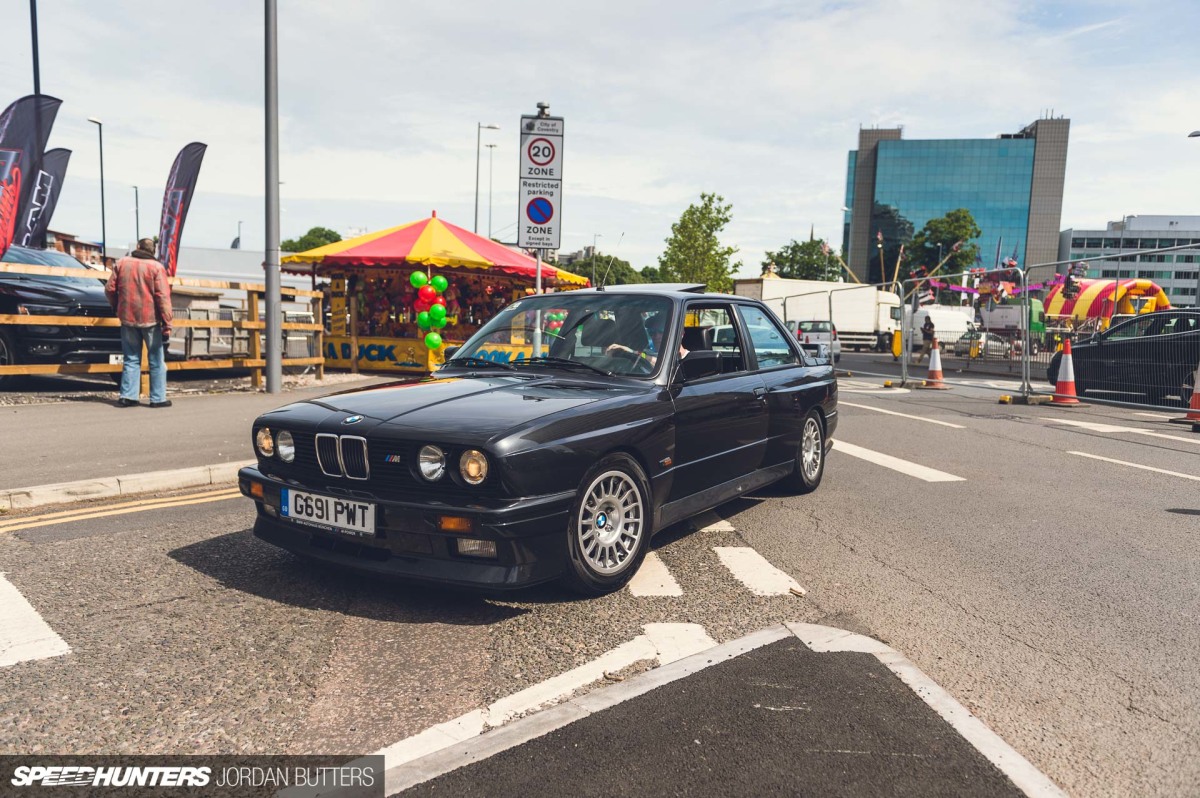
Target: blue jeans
point(131, 347)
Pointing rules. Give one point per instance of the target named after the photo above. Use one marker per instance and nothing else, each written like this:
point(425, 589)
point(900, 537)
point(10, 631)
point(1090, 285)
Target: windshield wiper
point(478, 361)
point(562, 361)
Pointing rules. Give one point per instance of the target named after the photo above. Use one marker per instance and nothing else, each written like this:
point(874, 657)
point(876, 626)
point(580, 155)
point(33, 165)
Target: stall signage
point(540, 191)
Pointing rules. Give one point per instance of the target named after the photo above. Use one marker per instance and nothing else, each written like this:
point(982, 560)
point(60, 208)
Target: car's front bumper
point(530, 536)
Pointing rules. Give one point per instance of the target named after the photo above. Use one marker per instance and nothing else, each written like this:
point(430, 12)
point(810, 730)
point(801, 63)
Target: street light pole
point(274, 325)
point(479, 128)
point(37, 72)
point(1193, 135)
point(491, 172)
point(137, 216)
point(103, 225)
point(594, 237)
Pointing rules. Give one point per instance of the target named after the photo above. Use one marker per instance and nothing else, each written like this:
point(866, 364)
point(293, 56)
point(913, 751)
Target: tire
point(603, 555)
point(810, 457)
point(8, 357)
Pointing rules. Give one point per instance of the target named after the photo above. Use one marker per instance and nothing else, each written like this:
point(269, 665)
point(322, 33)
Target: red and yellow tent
point(1102, 299)
point(428, 242)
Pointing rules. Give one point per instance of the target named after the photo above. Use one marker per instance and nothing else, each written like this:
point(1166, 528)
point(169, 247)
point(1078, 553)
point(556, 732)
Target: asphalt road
point(1052, 593)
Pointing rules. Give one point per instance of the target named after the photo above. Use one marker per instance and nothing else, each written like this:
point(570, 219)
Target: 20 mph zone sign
point(540, 192)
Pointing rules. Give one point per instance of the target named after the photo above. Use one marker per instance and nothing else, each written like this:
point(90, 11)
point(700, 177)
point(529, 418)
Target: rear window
point(816, 326)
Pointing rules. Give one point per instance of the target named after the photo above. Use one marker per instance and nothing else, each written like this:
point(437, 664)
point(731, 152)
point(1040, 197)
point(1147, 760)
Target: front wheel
point(810, 459)
point(8, 357)
point(609, 528)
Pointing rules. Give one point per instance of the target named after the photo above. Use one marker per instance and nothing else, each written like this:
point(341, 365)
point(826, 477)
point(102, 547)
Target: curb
point(111, 487)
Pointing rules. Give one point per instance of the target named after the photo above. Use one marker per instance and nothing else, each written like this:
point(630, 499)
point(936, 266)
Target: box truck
point(865, 317)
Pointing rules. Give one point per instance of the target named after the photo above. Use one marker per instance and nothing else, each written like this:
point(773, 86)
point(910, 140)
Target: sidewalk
point(43, 444)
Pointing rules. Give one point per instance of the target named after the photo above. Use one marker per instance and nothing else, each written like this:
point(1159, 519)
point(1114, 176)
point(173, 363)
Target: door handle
point(760, 393)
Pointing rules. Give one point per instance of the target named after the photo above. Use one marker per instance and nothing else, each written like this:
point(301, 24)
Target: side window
point(770, 343)
point(1131, 329)
point(712, 327)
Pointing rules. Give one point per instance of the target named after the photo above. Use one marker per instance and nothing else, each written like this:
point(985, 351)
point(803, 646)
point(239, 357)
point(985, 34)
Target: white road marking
point(711, 522)
point(23, 634)
point(1022, 773)
point(1138, 465)
point(895, 463)
point(1112, 428)
point(1159, 416)
point(755, 572)
point(674, 641)
point(903, 415)
point(653, 579)
point(855, 386)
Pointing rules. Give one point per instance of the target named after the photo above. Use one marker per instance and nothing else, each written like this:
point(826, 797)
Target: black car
point(1155, 354)
point(46, 295)
point(504, 470)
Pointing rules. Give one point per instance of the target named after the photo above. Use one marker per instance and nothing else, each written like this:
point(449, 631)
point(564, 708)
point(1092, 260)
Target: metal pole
point(478, 137)
point(537, 290)
point(274, 328)
point(37, 71)
point(137, 216)
point(103, 222)
point(491, 172)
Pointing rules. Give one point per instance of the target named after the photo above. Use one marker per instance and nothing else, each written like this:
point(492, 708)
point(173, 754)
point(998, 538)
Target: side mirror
point(698, 365)
point(451, 351)
point(823, 356)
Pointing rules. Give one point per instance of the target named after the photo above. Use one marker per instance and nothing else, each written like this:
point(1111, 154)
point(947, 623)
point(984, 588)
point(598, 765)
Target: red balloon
point(427, 293)
point(438, 300)
point(421, 305)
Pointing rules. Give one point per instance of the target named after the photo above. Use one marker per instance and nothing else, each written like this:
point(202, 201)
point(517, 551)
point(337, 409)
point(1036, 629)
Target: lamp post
point(37, 73)
point(103, 226)
point(491, 171)
point(594, 237)
point(479, 128)
point(1195, 134)
point(137, 216)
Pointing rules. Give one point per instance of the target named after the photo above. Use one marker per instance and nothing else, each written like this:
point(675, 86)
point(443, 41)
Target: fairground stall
point(399, 297)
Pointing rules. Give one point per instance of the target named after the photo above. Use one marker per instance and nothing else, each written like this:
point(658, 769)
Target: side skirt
point(677, 511)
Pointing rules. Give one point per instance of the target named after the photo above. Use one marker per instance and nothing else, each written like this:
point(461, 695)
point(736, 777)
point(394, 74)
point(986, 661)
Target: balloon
point(437, 324)
point(420, 306)
point(433, 340)
point(439, 283)
point(423, 319)
point(426, 293)
point(438, 299)
point(418, 279)
point(437, 311)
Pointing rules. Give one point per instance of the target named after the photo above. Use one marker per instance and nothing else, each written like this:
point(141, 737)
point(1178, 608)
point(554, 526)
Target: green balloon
point(438, 324)
point(433, 340)
point(439, 283)
point(423, 319)
point(418, 279)
point(437, 311)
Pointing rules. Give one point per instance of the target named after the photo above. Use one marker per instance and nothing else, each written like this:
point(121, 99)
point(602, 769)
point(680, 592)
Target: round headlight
point(264, 442)
point(432, 462)
point(473, 466)
point(285, 445)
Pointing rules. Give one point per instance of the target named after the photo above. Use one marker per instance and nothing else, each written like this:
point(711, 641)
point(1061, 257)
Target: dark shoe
point(122, 402)
point(164, 403)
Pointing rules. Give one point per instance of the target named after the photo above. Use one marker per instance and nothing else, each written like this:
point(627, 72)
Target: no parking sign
point(540, 192)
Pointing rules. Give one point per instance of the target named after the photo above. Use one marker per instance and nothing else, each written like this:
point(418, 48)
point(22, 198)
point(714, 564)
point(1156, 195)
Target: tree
point(941, 236)
point(694, 251)
point(811, 260)
point(608, 270)
point(315, 237)
point(651, 274)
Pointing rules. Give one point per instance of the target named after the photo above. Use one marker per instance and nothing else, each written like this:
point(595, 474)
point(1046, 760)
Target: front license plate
point(116, 360)
point(326, 512)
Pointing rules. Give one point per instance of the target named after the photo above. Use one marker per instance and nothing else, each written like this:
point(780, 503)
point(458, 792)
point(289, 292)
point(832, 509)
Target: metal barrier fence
point(209, 340)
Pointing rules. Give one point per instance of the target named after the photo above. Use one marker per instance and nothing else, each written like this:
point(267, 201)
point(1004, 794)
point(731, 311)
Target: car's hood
point(57, 293)
point(455, 409)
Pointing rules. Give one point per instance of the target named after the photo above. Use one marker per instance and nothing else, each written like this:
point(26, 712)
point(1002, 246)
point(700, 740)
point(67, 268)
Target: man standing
point(140, 294)
point(926, 338)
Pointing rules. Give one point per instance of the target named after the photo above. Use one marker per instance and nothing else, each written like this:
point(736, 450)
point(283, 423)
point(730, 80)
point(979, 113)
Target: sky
point(758, 101)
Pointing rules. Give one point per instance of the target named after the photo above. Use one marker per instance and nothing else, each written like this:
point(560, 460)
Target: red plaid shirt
point(138, 290)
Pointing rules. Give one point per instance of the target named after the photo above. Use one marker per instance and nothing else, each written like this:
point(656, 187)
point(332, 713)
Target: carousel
point(397, 298)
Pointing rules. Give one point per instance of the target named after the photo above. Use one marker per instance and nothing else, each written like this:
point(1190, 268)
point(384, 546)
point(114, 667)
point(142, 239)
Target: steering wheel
point(638, 362)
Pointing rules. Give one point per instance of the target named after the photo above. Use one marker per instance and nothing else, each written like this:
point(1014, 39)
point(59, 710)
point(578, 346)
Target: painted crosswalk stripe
point(1192, 477)
point(23, 634)
point(902, 415)
point(755, 572)
point(895, 463)
point(653, 579)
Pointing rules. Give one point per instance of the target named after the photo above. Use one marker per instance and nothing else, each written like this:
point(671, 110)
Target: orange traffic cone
point(1193, 414)
point(934, 381)
point(1064, 391)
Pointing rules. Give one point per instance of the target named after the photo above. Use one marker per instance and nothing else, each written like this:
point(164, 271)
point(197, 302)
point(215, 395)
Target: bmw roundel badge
point(352, 419)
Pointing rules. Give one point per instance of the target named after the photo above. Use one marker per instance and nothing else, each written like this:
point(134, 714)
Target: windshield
point(620, 334)
point(47, 257)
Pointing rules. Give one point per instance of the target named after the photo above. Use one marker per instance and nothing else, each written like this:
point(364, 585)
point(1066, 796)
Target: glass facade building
point(1012, 185)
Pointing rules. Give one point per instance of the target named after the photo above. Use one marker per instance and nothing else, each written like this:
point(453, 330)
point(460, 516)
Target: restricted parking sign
point(539, 214)
point(540, 191)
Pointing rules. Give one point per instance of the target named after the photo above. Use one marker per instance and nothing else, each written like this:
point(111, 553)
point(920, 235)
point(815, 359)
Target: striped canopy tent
point(428, 242)
point(1102, 299)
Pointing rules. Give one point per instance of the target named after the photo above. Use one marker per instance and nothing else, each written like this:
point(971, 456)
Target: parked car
point(503, 470)
point(1154, 354)
point(46, 295)
point(990, 345)
point(811, 334)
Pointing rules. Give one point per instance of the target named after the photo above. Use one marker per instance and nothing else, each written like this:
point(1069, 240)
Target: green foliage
point(609, 270)
point(956, 227)
point(694, 252)
point(315, 237)
point(810, 260)
point(651, 274)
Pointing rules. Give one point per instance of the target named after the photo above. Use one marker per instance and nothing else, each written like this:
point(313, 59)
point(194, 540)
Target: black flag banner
point(34, 220)
point(180, 185)
point(24, 128)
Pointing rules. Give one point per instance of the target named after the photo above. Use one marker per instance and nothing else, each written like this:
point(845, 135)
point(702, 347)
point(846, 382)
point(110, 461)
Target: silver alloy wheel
point(810, 449)
point(611, 522)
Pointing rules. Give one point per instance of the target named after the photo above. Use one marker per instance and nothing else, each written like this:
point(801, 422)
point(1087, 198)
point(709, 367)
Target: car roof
point(678, 291)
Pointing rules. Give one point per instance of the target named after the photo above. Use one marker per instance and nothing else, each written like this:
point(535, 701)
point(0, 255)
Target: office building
point(1012, 185)
point(1122, 249)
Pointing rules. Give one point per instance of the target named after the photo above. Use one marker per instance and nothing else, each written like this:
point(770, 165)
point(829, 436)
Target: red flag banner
point(24, 128)
point(36, 212)
point(181, 183)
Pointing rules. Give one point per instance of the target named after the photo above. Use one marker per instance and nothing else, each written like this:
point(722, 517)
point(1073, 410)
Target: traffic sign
point(541, 182)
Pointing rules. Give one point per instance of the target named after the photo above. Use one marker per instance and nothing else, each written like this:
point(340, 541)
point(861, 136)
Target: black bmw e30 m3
point(643, 406)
